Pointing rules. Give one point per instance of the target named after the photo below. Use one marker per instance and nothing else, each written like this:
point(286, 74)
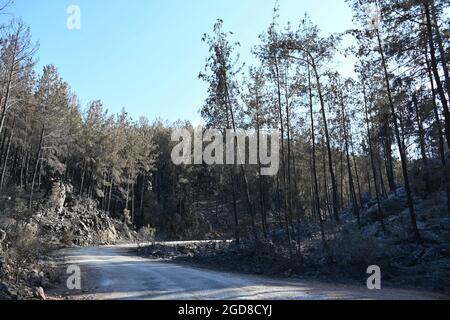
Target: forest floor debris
point(349, 252)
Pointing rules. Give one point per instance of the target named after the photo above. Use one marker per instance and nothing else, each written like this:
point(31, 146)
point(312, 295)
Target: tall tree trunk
point(422, 144)
point(242, 167)
point(400, 144)
point(41, 168)
point(313, 158)
point(36, 167)
point(349, 165)
point(388, 157)
point(82, 178)
point(382, 184)
point(22, 167)
point(3, 147)
point(5, 99)
point(8, 149)
point(17, 157)
point(141, 205)
point(110, 193)
point(358, 180)
point(434, 67)
point(288, 133)
point(283, 163)
point(442, 53)
point(435, 109)
point(133, 197)
point(235, 213)
point(327, 140)
point(341, 179)
point(325, 179)
point(372, 162)
point(91, 182)
point(127, 198)
point(27, 168)
point(262, 199)
point(439, 129)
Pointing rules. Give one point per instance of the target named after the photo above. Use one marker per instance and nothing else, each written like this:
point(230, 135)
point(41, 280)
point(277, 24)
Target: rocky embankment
point(27, 237)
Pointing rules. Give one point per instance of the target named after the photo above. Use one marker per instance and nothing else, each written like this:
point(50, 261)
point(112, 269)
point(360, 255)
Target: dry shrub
point(106, 236)
point(351, 249)
point(147, 234)
point(25, 248)
point(68, 238)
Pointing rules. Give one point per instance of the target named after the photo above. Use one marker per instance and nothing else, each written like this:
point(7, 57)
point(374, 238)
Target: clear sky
point(145, 55)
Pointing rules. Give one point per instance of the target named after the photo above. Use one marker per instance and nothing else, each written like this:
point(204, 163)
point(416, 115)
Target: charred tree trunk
point(8, 150)
point(352, 191)
point(422, 144)
point(372, 162)
point(229, 107)
point(442, 53)
point(400, 144)
point(434, 67)
point(283, 163)
point(327, 141)
point(313, 158)
point(439, 128)
point(36, 166)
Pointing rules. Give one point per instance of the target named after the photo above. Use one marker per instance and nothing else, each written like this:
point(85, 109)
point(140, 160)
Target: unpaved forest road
point(109, 273)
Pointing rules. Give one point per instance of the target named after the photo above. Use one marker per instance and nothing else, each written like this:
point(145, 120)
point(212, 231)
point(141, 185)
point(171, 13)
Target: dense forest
point(344, 141)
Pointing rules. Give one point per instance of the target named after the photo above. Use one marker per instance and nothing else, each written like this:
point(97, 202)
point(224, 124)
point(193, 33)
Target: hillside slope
point(28, 236)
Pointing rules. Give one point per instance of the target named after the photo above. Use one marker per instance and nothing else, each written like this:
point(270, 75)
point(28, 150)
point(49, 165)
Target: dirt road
point(113, 273)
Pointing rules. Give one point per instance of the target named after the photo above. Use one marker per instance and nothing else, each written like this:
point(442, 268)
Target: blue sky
point(145, 55)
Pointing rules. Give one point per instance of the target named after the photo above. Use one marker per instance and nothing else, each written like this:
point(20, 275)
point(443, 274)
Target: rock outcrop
point(57, 197)
point(74, 220)
point(59, 219)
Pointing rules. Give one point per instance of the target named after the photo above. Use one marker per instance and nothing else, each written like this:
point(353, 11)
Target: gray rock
point(372, 213)
point(7, 292)
point(58, 196)
point(39, 293)
point(2, 263)
point(393, 205)
point(430, 237)
point(2, 235)
point(400, 192)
